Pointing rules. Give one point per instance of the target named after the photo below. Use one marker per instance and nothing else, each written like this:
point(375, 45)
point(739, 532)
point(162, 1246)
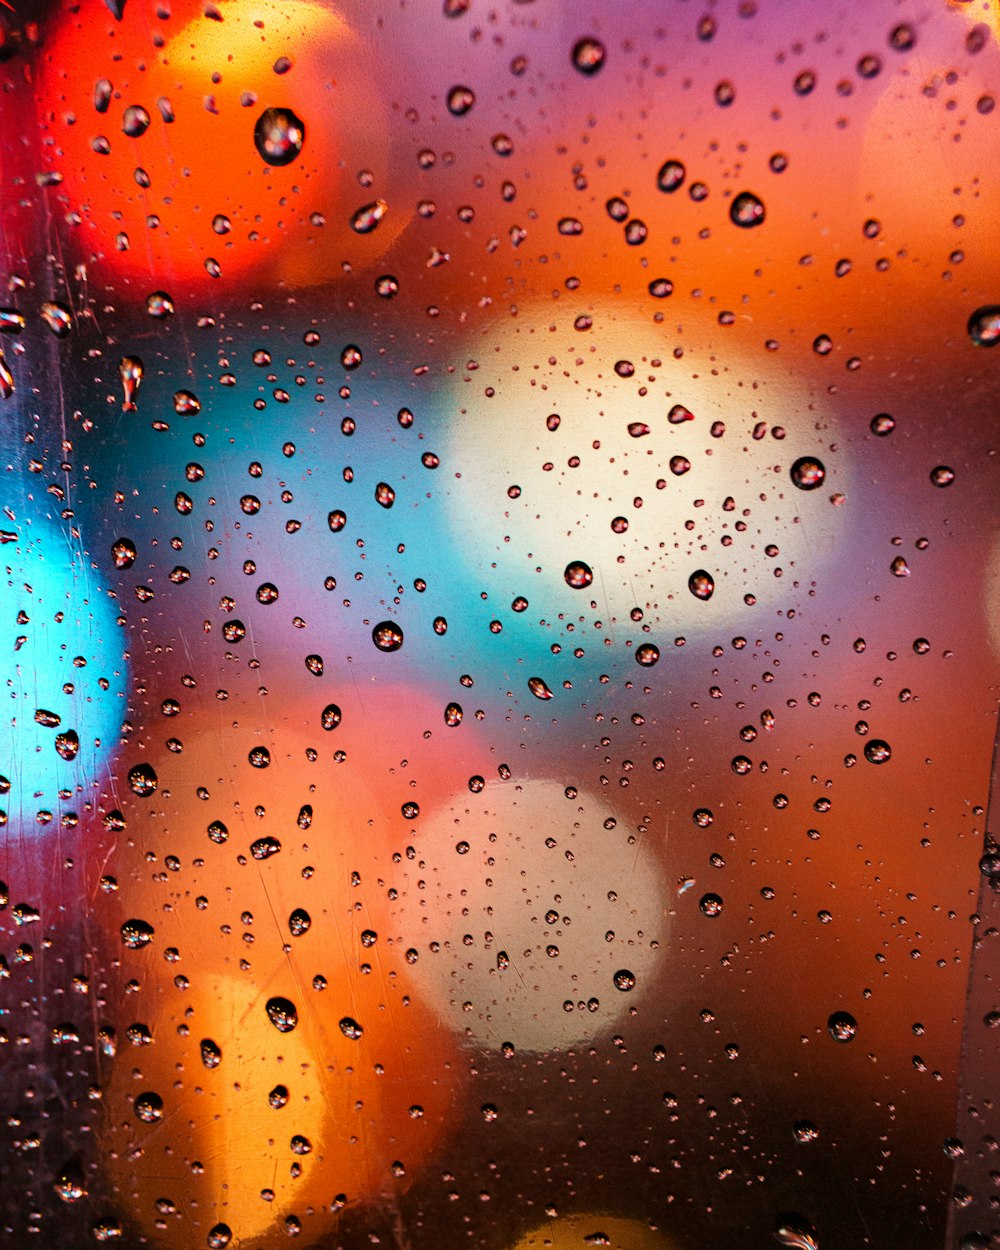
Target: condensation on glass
point(498, 580)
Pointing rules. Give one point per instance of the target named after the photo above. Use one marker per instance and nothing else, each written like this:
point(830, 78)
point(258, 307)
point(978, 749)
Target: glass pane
point(500, 601)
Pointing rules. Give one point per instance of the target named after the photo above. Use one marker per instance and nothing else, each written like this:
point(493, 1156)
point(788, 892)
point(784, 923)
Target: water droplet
point(387, 636)
point(453, 714)
point(638, 429)
point(259, 757)
point(647, 655)
point(385, 495)
point(367, 218)
point(279, 136)
point(148, 1107)
point(842, 1026)
point(877, 751)
point(350, 1028)
point(943, 475)
point(211, 1055)
point(746, 210)
point(265, 847)
point(186, 403)
point(882, 424)
point(142, 780)
point(804, 1131)
point(299, 922)
point(135, 121)
point(67, 744)
point(701, 584)
point(57, 317)
point(234, 631)
point(314, 663)
point(282, 1014)
point(538, 688)
point(710, 905)
point(624, 980)
point(796, 1233)
point(588, 55)
point(387, 286)
point(808, 473)
point(219, 1237)
point(351, 357)
point(136, 934)
point(578, 575)
point(330, 717)
point(131, 372)
point(671, 176)
point(460, 100)
point(278, 1097)
point(160, 305)
point(123, 553)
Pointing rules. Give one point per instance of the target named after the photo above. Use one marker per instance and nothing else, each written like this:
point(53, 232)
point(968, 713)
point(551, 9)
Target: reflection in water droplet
point(211, 1055)
point(588, 55)
point(142, 780)
point(453, 714)
point(796, 1233)
point(330, 717)
point(123, 553)
point(148, 1107)
point(711, 905)
point(387, 636)
point(136, 934)
point(701, 584)
point(460, 100)
point(624, 980)
point(943, 475)
point(299, 922)
point(538, 688)
point(57, 317)
point(259, 757)
point(282, 1014)
point(578, 575)
point(279, 136)
point(385, 495)
point(350, 1028)
point(746, 210)
point(647, 655)
point(671, 176)
point(808, 473)
point(984, 326)
point(842, 1026)
point(365, 220)
point(877, 751)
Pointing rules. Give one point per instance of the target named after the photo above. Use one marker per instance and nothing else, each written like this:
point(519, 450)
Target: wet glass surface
point(500, 624)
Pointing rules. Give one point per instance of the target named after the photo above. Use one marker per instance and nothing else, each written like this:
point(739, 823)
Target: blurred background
point(499, 586)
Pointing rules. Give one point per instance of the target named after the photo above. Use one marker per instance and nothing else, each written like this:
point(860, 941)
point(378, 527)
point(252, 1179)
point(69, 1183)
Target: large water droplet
point(538, 688)
point(387, 636)
point(578, 575)
point(142, 780)
point(877, 751)
point(671, 176)
point(211, 1055)
point(746, 210)
point(588, 55)
point(299, 922)
point(984, 326)
point(148, 1107)
point(330, 717)
point(282, 1014)
point(123, 553)
point(808, 473)
point(842, 1026)
point(368, 217)
point(136, 934)
point(279, 136)
point(647, 655)
point(701, 584)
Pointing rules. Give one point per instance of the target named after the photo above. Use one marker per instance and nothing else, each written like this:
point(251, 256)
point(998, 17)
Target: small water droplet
point(943, 475)
point(131, 372)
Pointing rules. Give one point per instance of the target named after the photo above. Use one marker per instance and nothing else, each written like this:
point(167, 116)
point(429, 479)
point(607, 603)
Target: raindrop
point(299, 922)
point(578, 575)
point(701, 584)
point(842, 1026)
point(943, 475)
point(350, 1028)
point(211, 1055)
point(142, 780)
point(279, 136)
point(259, 757)
point(538, 688)
point(808, 473)
point(385, 495)
point(671, 176)
point(282, 1014)
point(746, 210)
point(148, 1107)
point(136, 934)
point(624, 980)
point(804, 1131)
point(877, 751)
point(330, 717)
point(367, 218)
point(387, 636)
point(68, 744)
point(265, 847)
point(588, 55)
point(123, 553)
point(453, 714)
point(159, 304)
point(710, 905)
point(460, 100)
point(57, 317)
point(130, 371)
point(647, 655)
point(135, 121)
